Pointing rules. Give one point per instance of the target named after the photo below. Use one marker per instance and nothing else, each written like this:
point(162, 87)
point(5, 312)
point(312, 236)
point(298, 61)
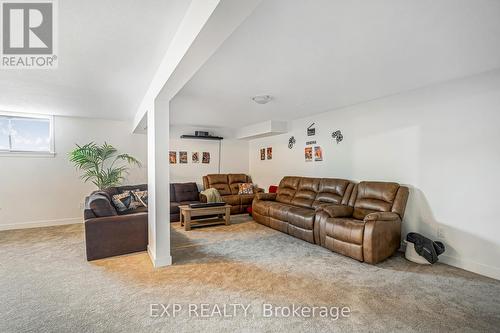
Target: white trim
point(4, 153)
point(160, 262)
point(18, 153)
point(471, 266)
point(41, 224)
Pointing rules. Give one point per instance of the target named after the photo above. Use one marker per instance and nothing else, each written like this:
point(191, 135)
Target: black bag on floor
point(425, 247)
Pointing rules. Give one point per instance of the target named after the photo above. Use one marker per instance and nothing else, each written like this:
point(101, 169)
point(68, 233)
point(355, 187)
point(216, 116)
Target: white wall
point(442, 141)
point(233, 157)
point(38, 191)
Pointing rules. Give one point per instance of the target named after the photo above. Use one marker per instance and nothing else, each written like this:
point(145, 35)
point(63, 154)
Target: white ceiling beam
point(204, 28)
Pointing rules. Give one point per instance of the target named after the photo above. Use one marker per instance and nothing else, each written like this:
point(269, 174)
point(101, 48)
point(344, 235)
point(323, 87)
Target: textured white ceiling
point(314, 56)
point(108, 53)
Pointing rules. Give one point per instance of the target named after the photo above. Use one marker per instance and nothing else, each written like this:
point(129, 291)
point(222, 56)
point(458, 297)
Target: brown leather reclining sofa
point(228, 187)
point(362, 221)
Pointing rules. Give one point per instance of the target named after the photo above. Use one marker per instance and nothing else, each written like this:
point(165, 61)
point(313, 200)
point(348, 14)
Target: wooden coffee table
point(186, 213)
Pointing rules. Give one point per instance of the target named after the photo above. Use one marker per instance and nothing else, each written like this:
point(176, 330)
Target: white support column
point(158, 185)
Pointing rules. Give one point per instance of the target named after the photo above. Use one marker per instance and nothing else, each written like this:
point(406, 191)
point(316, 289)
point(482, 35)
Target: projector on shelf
point(201, 133)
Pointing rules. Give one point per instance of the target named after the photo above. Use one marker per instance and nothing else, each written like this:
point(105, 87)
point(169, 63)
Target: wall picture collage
point(312, 152)
point(183, 157)
point(266, 153)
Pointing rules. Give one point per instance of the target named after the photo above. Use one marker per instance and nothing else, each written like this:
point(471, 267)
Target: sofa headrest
point(185, 192)
point(372, 197)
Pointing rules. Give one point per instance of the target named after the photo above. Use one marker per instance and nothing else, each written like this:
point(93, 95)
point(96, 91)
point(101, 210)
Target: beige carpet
point(47, 285)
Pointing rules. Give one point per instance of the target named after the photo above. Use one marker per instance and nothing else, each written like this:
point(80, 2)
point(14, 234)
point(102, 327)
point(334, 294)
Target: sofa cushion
point(123, 189)
point(101, 206)
point(235, 180)
point(279, 211)
point(233, 200)
point(245, 188)
point(186, 192)
point(125, 201)
point(373, 197)
point(141, 197)
point(331, 191)
point(287, 188)
point(246, 199)
point(301, 217)
point(262, 207)
point(346, 230)
point(141, 209)
point(220, 183)
point(306, 192)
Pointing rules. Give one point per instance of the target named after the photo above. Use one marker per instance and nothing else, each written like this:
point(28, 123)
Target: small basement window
point(23, 134)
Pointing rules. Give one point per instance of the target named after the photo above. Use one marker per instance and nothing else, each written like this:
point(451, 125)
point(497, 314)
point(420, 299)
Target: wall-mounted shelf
point(217, 138)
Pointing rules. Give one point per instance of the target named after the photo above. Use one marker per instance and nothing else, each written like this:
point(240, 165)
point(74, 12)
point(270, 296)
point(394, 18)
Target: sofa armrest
point(258, 189)
point(382, 236)
point(382, 216)
point(116, 235)
point(337, 210)
point(266, 196)
point(99, 205)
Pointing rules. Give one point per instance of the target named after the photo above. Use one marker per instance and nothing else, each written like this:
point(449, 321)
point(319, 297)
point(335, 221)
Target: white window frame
point(50, 153)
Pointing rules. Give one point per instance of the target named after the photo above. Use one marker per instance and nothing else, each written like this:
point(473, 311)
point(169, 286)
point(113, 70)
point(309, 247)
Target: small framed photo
point(172, 157)
point(206, 157)
point(308, 154)
point(318, 153)
point(195, 157)
point(183, 157)
point(270, 153)
point(263, 154)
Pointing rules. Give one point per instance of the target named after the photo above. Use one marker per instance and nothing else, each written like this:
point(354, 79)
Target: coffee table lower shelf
point(187, 213)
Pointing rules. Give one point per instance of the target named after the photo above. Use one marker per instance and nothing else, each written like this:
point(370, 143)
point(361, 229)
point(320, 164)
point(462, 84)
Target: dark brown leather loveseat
point(362, 221)
point(228, 187)
point(110, 233)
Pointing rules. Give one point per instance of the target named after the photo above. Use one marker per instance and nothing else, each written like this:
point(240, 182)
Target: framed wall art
point(172, 157)
point(308, 154)
point(206, 158)
point(270, 153)
point(183, 157)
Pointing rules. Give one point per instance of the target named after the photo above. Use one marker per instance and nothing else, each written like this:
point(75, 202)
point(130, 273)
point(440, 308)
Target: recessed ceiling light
point(262, 99)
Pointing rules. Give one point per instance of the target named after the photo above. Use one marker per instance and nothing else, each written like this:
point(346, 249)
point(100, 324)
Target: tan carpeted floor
point(47, 285)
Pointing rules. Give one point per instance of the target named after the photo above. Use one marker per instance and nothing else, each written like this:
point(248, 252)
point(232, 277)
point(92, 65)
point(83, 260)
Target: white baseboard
point(471, 266)
point(159, 262)
point(40, 224)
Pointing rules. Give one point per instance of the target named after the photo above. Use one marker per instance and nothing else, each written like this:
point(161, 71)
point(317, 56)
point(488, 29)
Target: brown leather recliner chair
point(369, 227)
point(228, 187)
point(292, 209)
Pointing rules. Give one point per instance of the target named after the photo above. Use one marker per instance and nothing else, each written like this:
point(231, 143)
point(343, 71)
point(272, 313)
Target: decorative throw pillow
point(245, 188)
point(141, 197)
point(125, 201)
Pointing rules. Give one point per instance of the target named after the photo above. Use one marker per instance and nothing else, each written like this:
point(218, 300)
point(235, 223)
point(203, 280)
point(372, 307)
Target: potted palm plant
point(102, 165)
